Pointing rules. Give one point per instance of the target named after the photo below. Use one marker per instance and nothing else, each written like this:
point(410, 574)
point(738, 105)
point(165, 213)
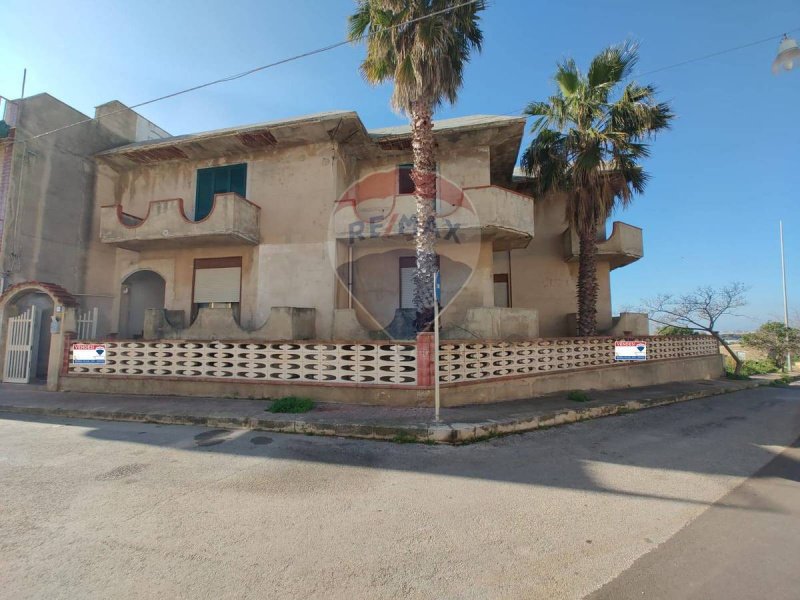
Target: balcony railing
point(621, 248)
point(233, 220)
point(491, 212)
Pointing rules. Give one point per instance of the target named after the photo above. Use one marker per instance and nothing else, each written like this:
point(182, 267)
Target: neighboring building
point(254, 223)
point(47, 184)
point(47, 193)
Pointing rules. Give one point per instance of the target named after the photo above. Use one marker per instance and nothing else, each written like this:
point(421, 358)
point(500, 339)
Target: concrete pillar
point(59, 345)
point(425, 359)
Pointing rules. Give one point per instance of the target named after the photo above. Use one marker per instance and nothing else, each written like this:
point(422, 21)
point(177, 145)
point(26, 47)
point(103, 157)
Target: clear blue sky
point(722, 178)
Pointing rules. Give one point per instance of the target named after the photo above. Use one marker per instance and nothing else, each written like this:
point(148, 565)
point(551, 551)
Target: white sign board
point(88, 354)
point(625, 350)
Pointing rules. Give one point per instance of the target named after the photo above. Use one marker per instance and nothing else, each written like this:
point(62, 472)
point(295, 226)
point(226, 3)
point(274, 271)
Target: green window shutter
point(204, 199)
point(238, 179)
point(218, 180)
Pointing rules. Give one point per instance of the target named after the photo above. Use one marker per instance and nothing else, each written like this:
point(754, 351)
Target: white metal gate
point(22, 345)
point(87, 324)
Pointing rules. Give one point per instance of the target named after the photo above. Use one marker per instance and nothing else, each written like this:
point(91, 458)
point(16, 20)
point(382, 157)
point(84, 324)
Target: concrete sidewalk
point(457, 425)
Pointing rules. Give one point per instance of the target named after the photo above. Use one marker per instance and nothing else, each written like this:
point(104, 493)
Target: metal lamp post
point(787, 59)
point(785, 301)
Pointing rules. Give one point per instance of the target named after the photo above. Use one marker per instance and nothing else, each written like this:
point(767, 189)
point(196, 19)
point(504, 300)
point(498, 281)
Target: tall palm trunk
point(587, 281)
point(424, 177)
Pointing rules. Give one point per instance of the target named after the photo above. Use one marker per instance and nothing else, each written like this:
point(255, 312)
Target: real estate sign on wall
point(627, 350)
point(88, 354)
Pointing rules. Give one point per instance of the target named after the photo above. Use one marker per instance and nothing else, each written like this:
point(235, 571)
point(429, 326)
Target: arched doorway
point(20, 298)
point(140, 290)
point(44, 306)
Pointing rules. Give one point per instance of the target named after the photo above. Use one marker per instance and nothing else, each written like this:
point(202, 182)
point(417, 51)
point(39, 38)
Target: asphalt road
point(723, 555)
point(696, 500)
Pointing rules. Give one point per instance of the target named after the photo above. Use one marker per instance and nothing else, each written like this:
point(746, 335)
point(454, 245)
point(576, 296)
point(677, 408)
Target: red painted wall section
point(425, 359)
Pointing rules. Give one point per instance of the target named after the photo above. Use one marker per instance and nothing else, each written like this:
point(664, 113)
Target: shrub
point(776, 340)
point(676, 330)
point(758, 367)
point(405, 437)
point(751, 367)
point(291, 404)
point(578, 396)
point(730, 374)
point(781, 381)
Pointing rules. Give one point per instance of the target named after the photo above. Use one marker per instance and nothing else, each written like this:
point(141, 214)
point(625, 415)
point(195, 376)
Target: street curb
point(452, 433)
point(477, 432)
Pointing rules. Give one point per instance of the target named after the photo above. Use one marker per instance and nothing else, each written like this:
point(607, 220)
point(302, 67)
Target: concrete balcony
point(233, 220)
point(623, 247)
point(492, 212)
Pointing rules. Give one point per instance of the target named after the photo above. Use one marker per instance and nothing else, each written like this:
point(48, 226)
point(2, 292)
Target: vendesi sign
point(88, 354)
point(630, 350)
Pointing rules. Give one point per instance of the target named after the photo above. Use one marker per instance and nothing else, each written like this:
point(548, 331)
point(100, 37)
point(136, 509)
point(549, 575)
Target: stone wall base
point(482, 392)
point(609, 377)
point(229, 388)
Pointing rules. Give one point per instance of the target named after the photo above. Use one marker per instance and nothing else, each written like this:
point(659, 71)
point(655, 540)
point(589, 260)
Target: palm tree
point(422, 46)
point(590, 140)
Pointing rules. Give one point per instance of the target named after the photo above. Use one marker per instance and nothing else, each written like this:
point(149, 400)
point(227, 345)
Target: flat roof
point(228, 131)
point(503, 134)
point(468, 122)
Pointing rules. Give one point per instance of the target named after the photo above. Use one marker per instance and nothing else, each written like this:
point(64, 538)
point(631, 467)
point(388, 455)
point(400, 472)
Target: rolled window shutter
point(217, 285)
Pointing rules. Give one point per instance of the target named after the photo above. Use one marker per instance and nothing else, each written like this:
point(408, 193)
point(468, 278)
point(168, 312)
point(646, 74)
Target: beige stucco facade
point(321, 225)
point(237, 252)
point(110, 214)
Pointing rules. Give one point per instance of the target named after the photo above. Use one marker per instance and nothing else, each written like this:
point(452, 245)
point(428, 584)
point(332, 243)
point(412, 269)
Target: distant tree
point(590, 141)
point(673, 330)
point(699, 310)
point(775, 340)
point(422, 48)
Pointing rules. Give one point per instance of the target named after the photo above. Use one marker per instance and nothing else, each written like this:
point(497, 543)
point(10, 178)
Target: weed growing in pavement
point(578, 396)
point(291, 404)
point(405, 438)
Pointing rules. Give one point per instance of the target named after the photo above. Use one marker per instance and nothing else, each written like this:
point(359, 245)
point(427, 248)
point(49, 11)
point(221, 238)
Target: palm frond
point(568, 78)
point(589, 144)
point(418, 44)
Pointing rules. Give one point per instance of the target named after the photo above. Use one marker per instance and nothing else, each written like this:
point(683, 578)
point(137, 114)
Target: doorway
point(37, 329)
point(141, 290)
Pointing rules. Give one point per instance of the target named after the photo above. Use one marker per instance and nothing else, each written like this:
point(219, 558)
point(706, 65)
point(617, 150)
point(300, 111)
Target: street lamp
point(788, 55)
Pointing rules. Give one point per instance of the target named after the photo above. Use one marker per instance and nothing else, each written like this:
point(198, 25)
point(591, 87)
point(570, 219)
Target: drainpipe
point(510, 295)
point(350, 275)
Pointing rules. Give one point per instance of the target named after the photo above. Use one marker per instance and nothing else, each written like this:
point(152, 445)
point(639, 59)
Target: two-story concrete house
point(236, 233)
point(249, 261)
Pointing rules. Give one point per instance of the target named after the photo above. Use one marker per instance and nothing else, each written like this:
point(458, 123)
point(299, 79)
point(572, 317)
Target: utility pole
point(785, 301)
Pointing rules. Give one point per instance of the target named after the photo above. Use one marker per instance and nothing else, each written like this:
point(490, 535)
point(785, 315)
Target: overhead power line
point(696, 59)
point(277, 63)
point(365, 36)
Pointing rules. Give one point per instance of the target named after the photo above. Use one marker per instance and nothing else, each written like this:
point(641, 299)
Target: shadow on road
point(731, 435)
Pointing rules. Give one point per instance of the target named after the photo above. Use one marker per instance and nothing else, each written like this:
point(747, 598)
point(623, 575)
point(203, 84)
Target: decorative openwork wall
point(473, 361)
point(378, 363)
point(370, 363)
